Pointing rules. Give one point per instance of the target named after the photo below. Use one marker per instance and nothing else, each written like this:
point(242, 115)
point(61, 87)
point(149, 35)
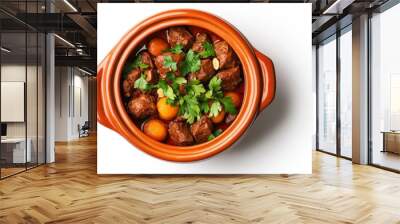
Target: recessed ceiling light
point(84, 71)
point(5, 50)
point(64, 40)
point(70, 5)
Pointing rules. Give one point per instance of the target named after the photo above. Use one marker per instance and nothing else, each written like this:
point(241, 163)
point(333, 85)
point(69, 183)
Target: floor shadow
point(266, 122)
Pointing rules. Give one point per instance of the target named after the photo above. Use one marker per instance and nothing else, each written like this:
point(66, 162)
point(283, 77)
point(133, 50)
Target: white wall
point(71, 96)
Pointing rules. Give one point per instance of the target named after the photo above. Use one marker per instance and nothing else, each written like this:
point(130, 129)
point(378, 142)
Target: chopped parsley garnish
point(138, 63)
point(171, 91)
point(195, 88)
point(191, 63)
point(228, 105)
point(208, 50)
point(142, 84)
point(167, 90)
point(214, 134)
point(215, 94)
point(177, 49)
point(169, 63)
point(215, 108)
point(190, 105)
point(189, 108)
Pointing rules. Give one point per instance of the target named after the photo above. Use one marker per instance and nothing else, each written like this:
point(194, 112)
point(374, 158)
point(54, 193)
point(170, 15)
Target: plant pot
point(258, 73)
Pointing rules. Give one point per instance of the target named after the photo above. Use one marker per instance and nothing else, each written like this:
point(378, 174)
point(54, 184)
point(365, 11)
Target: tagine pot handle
point(101, 116)
point(268, 80)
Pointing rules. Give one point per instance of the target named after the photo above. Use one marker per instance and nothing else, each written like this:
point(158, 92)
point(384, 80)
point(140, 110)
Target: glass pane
point(41, 98)
point(327, 96)
point(346, 93)
point(31, 97)
point(386, 89)
point(13, 86)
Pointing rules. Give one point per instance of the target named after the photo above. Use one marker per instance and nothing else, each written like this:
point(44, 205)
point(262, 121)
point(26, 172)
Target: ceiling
point(76, 21)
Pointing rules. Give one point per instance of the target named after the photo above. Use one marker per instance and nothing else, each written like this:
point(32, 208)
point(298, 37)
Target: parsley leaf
point(215, 93)
point(180, 80)
point(190, 105)
point(191, 63)
point(169, 63)
point(177, 49)
point(175, 81)
point(167, 91)
point(214, 88)
point(215, 84)
point(228, 105)
point(195, 88)
point(138, 63)
point(189, 108)
point(208, 50)
point(214, 134)
point(215, 108)
point(142, 84)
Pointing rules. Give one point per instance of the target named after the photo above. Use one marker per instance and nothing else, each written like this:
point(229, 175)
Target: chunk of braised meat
point(226, 57)
point(179, 35)
point(129, 81)
point(229, 118)
point(146, 59)
point(142, 106)
point(230, 78)
point(162, 69)
point(205, 73)
point(201, 129)
point(198, 45)
point(151, 76)
point(179, 132)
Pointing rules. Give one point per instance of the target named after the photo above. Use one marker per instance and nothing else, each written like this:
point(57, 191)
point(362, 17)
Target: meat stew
point(183, 87)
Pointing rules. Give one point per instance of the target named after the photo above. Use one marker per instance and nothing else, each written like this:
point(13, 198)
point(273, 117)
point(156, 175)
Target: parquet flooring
point(70, 191)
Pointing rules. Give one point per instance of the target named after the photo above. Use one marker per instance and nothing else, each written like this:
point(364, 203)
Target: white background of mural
point(280, 140)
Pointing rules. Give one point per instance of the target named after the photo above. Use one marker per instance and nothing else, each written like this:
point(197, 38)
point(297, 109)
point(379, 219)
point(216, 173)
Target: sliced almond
point(215, 63)
point(160, 93)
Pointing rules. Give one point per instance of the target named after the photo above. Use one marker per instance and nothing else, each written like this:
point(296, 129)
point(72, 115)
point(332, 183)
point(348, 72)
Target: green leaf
point(189, 108)
point(228, 105)
point(177, 49)
point(215, 108)
point(142, 84)
point(195, 88)
point(137, 63)
point(204, 106)
point(214, 134)
point(215, 84)
point(208, 50)
point(170, 76)
point(167, 91)
point(191, 63)
point(169, 63)
point(180, 80)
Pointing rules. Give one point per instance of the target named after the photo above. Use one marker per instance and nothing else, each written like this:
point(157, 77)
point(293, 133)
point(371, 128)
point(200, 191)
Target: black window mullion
point(37, 90)
point(317, 95)
point(26, 87)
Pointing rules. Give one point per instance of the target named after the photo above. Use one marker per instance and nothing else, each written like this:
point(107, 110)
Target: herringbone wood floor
point(69, 191)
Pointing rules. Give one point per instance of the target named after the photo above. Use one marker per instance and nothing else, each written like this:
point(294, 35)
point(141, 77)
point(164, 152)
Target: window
point(327, 96)
point(346, 93)
point(385, 89)
point(22, 88)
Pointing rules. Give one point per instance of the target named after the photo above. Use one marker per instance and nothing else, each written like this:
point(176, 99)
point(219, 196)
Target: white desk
point(18, 150)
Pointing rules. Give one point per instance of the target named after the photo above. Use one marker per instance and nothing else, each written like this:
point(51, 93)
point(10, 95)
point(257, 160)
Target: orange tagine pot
point(258, 75)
